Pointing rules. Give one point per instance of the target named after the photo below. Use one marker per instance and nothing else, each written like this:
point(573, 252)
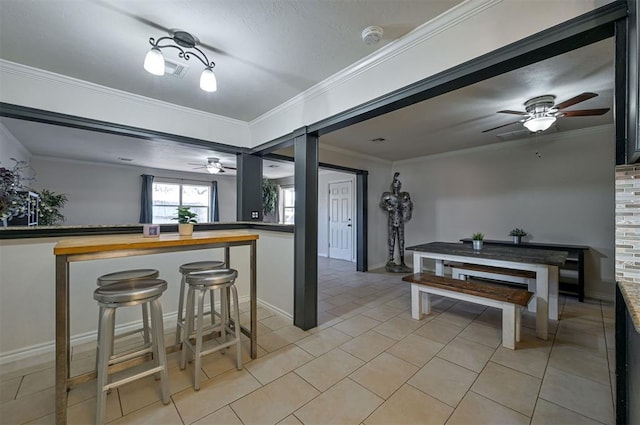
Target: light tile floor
point(368, 362)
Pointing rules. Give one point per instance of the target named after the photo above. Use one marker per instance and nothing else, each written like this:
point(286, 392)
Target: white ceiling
point(456, 120)
point(266, 52)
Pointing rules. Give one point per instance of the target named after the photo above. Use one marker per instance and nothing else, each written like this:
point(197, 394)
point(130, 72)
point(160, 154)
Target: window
point(288, 203)
point(168, 195)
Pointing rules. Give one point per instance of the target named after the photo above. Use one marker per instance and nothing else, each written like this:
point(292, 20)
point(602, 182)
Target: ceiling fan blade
point(507, 111)
point(500, 126)
point(577, 99)
point(584, 112)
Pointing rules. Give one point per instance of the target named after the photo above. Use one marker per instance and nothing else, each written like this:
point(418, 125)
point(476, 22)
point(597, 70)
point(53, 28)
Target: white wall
point(10, 147)
point(110, 194)
point(27, 287)
point(565, 196)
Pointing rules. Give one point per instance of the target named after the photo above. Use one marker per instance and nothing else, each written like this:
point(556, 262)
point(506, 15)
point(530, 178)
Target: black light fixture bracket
point(183, 39)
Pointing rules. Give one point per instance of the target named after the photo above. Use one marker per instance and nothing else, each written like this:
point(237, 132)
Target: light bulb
point(208, 80)
point(154, 61)
point(539, 123)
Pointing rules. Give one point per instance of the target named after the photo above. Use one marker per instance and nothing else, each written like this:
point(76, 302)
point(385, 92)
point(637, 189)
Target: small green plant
point(269, 196)
point(517, 232)
point(49, 208)
point(477, 236)
point(185, 215)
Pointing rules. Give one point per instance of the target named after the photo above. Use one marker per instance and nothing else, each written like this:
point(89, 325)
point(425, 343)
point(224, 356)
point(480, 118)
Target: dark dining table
point(544, 263)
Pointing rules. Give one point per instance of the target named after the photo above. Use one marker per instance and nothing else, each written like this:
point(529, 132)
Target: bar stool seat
point(124, 294)
point(130, 275)
point(185, 269)
point(199, 283)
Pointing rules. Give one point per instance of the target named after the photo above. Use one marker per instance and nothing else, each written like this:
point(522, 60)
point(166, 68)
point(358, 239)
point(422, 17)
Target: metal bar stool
point(185, 269)
point(125, 294)
point(200, 283)
point(129, 275)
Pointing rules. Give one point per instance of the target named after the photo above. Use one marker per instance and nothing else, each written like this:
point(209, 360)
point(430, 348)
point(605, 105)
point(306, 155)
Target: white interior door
point(340, 220)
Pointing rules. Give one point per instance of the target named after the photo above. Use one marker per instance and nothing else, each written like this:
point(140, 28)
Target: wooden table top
point(495, 252)
point(91, 244)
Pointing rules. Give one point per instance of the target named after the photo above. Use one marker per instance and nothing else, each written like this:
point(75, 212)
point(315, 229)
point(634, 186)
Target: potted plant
point(517, 235)
point(477, 240)
point(269, 197)
point(185, 218)
point(49, 207)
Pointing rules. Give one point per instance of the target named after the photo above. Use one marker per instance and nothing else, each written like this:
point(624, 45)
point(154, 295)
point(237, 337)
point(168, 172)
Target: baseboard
point(597, 295)
point(45, 352)
point(276, 309)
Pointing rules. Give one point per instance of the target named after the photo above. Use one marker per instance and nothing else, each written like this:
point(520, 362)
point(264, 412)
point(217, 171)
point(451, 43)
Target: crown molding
point(430, 29)
point(36, 74)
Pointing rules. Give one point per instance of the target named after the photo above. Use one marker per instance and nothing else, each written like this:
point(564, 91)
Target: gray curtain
point(215, 214)
point(146, 199)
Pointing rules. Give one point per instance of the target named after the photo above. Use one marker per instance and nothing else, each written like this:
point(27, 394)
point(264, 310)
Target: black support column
point(249, 187)
point(363, 224)
point(305, 277)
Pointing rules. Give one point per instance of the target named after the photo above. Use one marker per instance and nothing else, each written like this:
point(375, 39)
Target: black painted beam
point(362, 221)
point(305, 279)
point(249, 187)
point(49, 117)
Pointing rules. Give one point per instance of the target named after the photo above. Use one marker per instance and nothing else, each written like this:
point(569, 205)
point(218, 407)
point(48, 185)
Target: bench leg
point(553, 298)
point(455, 274)
point(531, 287)
point(420, 303)
point(518, 322)
point(509, 326)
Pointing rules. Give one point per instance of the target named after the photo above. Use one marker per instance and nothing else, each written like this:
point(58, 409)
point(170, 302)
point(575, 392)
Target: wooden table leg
point(253, 300)
point(542, 301)
point(62, 338)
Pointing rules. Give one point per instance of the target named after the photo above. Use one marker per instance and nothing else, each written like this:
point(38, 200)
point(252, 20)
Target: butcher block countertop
point(91, 244)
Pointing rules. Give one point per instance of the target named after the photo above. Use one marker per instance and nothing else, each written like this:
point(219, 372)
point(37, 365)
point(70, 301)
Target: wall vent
point(175, 69)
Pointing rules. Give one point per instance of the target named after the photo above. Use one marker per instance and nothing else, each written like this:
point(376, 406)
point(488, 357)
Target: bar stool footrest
point(120, 382)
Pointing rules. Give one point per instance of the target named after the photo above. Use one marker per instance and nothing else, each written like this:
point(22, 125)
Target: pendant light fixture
point(154, 60)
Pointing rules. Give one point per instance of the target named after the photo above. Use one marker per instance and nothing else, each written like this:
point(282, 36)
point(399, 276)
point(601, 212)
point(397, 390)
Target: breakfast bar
point(115, 246)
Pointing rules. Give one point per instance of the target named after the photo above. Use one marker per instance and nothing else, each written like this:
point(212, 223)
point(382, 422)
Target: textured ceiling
point(266, 51)
point(456, 120)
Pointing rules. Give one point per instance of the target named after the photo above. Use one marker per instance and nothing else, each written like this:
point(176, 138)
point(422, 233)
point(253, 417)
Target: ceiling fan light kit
point(540, 123)
point(213, 166)
point(154, 60)
point(542, 112)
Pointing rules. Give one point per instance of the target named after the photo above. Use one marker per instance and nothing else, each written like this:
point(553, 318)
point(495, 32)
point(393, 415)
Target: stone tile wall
point(628, 223)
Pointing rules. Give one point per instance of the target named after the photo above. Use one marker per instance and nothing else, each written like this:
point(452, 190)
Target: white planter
point(185, 229)
point(477, 244)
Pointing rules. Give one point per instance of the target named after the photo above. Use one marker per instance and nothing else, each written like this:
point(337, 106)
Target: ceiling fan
point(213, 166)
point(542, 111)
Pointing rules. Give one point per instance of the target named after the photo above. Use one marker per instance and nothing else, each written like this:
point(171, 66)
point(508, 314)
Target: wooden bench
point(524, 277)
point(511, 300)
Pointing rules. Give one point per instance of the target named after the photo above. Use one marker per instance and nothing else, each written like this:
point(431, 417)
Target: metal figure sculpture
point(399, 207)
